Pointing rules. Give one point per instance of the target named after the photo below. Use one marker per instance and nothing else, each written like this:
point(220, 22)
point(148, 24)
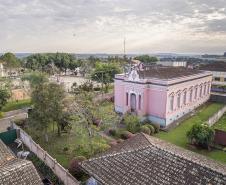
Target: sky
point(100, 26)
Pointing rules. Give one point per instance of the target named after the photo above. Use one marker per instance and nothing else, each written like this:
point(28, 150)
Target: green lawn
point(14, 105)
point(221, 124)
point(178, 137)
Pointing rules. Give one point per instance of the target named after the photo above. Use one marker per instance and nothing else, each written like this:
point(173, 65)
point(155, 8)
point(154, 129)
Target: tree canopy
point(47, 62)
point(201, 134)
point(48, 107)
point(105, 72)
point(10, 61)
point(146, 59)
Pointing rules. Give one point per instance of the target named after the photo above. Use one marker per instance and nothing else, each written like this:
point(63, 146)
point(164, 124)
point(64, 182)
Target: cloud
point(101, 25)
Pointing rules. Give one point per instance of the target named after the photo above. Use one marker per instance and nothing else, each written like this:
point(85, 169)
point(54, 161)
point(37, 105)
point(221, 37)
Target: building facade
point(162, 94)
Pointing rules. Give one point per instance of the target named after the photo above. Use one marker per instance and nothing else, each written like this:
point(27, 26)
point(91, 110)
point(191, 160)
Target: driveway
point(10, 116)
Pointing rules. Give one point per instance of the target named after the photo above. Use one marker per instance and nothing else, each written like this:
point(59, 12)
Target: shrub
point(152, 129)
point(132, 123)
point(156, 127)
point(145, 129)
point(75, 168)
point(201, 134)
point(126, 134)
point(112, 132)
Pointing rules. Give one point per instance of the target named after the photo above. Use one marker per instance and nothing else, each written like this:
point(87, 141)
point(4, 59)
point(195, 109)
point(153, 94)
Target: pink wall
point(155, 99)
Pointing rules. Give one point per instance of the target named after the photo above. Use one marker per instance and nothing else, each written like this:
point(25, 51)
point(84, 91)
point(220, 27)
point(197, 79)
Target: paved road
point(11, 115)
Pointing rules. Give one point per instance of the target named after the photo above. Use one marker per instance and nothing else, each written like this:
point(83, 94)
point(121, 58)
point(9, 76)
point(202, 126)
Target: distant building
point(146, 160)
point(2, 72)
point(219, 72)
point(173, 63)
point(14, 171)
point(161, 94)
point(224, 54)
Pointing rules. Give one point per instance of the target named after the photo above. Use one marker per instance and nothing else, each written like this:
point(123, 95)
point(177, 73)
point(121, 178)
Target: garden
point(178, 136)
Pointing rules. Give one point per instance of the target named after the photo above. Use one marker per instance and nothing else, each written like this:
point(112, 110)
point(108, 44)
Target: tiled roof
point(216, 66)
point(157, 163)
point(167, 72)
point(14, 171)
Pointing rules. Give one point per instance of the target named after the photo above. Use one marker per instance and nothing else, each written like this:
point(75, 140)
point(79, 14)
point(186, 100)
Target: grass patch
point(14, 105)
point(178, 136)
point(221, 124)
point(70, 145)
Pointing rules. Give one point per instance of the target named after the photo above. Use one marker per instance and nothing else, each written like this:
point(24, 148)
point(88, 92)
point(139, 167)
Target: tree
point(201, 134)
point(146, 59)
point(4, 96)
point(35, 79)
point(47, 99)
point(10, 61)
point(104, 73)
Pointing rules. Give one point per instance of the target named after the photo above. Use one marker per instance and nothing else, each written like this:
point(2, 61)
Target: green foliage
point(145, 129)
point(201, 134)
point(221, 123)
point(46, 62)
point(47, 100)
point(152, 128)
point(10, 61)
point(4, 96)
point(146, 59)
point(156, 127)
point(132, 123)
point(44, 170)
point(35, 78)
point(105, 72)
point(14, 105)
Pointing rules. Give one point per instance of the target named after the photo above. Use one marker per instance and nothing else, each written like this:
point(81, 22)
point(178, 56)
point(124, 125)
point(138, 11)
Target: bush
point(145, 129)
point(126, 135)
point(152, 129)
point(75, 168)
point(156, 127)
point(132, 123)
point(112, 132)
point(201, 134)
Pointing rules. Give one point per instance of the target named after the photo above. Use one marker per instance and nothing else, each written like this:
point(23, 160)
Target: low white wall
point(213, 119)
point(57, 169)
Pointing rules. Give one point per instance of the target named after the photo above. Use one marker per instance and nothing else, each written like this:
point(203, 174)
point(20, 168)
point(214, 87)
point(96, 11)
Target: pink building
point(161, 94)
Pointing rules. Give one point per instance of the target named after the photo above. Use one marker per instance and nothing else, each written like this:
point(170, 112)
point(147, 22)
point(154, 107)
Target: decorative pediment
point(134, 76)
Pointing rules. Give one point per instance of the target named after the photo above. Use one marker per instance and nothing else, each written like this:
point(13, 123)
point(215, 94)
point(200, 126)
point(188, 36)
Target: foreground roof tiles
point(157, 163)
point(14, 171)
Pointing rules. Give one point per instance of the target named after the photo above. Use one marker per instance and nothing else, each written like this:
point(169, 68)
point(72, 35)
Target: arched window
point(191, 95)
point(200, 91)
point(196, 92)
point(208, 89)
point(171, 102)
point(178, 100)
point(204, 91)
point(185, 97)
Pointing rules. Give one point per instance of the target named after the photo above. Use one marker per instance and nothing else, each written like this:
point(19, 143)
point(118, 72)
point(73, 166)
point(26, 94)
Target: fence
point(58, 170)
point(216, 116)
point(220, 137)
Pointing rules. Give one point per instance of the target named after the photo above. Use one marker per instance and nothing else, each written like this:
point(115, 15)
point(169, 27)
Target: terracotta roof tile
point(157, 163)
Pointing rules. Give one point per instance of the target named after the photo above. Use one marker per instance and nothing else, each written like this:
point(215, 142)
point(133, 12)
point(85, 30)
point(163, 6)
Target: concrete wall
point(57, 169)
point(213, 119)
